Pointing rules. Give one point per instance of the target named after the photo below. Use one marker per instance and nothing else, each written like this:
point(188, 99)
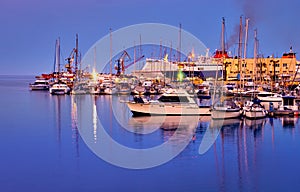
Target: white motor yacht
point(40, 84)
point(178, 102)
point(59, 88)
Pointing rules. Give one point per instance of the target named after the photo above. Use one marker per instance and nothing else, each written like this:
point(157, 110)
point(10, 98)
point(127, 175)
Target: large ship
point(203, 67)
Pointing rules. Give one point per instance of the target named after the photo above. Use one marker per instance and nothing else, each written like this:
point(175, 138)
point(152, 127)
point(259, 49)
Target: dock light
point(94, 75)
point(180, 75)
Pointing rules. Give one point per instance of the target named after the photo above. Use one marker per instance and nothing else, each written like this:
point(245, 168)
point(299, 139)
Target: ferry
point(39, 84)
point(203, 66)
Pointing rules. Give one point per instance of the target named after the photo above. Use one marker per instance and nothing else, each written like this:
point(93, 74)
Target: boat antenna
point(179, 47)
point(110, 51)
point(76, 54)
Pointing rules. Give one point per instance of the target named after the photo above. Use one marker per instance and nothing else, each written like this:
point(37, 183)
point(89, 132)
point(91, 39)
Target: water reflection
point(75, 133)
point(246, 156)
point(289, 122)
point(238, 146)
point(60, 102)
point(57, 114)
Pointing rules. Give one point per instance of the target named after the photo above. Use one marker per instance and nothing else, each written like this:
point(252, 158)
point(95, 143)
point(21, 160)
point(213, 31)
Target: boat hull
point(225, 113)
point(59, 92)
point(39, 88)
point(286, 112)
point(250, 114)
point(146, 109)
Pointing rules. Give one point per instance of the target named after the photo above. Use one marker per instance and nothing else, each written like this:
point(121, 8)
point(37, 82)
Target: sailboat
point(224, 108)
point(58, 87)
point(227, 109)
point(253, 109)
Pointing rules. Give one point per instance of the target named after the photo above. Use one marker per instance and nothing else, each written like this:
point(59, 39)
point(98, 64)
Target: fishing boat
point(289, 106)
point(39, 84)
point(227, 109)
point(59, 88)
point(254, 110)
point(179, 102)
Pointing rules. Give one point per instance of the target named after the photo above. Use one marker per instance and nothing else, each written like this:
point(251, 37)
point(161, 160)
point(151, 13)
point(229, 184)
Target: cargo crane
point(120, 65)
point(73, 56)
point(70, 60)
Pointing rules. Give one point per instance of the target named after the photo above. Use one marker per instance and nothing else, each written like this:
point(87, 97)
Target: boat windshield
point(265, 94)
point(288, 101)
point(178, 99)
point(41, 83)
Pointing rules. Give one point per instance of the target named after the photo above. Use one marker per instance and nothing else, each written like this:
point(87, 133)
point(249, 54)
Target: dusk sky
point(29, 28)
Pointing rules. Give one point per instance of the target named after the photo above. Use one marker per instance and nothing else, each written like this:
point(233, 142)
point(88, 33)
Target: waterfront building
point(284, 68)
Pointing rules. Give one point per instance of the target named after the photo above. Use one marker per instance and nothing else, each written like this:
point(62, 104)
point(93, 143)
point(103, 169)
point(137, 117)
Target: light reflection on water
point(39, 141)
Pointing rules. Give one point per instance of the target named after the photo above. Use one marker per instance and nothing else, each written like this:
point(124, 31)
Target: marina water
point(42, 149)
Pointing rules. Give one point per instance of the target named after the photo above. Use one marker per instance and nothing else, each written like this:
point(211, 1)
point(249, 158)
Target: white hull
point(250, 114)
point(225, 113)
point(58, 92)
point(270, 99)
point(38, 87)
point(139, 109)
point(39, 84)
point(59, 89)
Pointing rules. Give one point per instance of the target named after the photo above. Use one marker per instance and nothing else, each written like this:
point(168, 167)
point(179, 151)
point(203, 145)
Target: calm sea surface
point(42, 148)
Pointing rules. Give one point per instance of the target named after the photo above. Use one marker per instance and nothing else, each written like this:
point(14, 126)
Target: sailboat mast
point(76, 54)
point(110, 51)
point(134, 56)
point(57, 55)
point(179, 43)
point(255, 53)
point(95, 58)
point(246, 37)
point(240, 49)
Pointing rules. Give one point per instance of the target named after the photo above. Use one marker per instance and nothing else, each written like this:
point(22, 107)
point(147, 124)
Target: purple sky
point(29, 28)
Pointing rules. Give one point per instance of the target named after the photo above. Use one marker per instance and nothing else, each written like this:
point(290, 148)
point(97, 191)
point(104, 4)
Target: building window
point(277, 65)
point(284, 64)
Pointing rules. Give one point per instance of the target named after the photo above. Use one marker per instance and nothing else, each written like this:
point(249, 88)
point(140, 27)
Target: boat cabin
point(289, 103)
point(173, 99)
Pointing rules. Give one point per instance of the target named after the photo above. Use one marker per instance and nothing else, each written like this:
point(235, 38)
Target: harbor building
point(284, 68)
